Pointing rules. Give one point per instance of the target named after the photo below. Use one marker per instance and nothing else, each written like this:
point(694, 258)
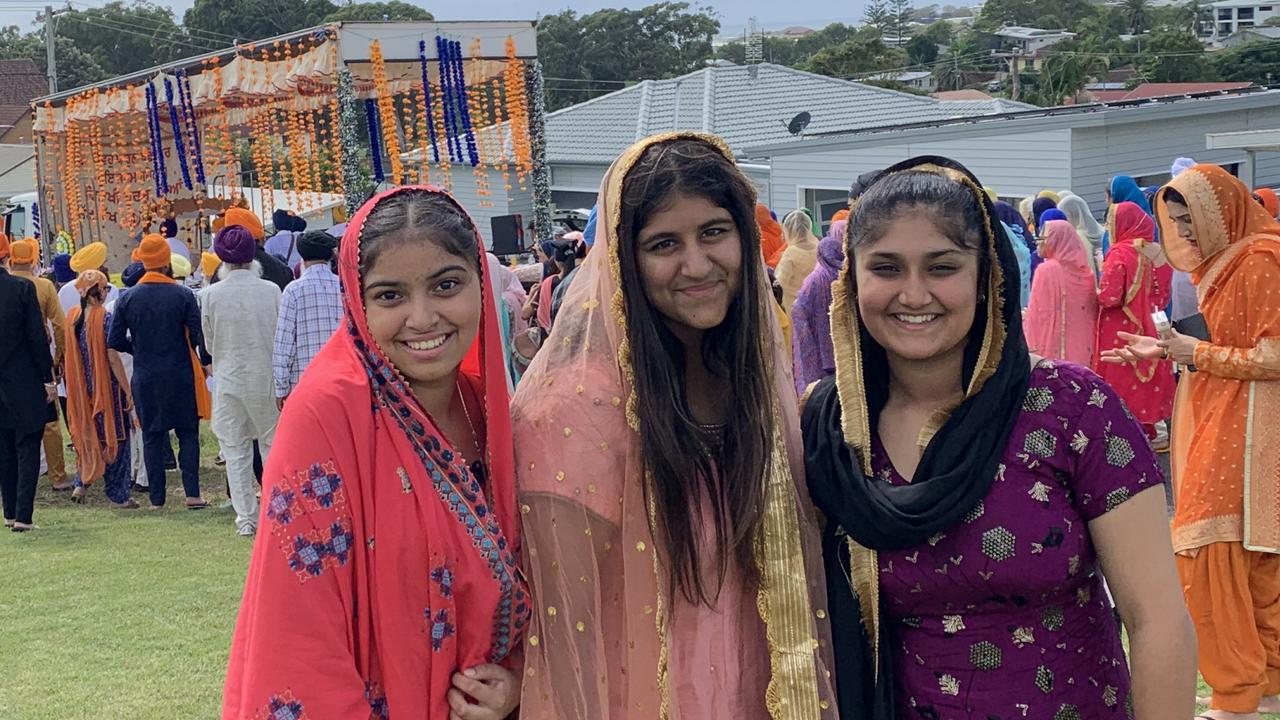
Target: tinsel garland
point(177, 135)
point(426, 101)
point(459, 75)
point(538, 149)
point(189, 115)
point(158, 170)
point(354, 185)
point(375, 137)
point(446, 94)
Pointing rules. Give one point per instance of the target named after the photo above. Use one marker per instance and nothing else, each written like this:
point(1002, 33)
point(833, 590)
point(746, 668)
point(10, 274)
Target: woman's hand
point(1181, 348)
point(1138, 347)
point(484, 692)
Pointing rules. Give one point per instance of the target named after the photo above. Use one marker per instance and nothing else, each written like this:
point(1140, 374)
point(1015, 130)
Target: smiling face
point(917, 290)
point(689, 258)
point(423, 305)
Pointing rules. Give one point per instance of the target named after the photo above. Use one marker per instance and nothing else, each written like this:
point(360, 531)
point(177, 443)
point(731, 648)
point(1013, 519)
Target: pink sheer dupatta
point(607, 642)
point(1062, 317)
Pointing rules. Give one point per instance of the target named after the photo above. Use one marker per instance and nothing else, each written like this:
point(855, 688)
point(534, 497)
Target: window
point(1224, 14)
point(1244, 24)
point(1264, 8)
point(826, 203)
point(1224, 28)
point(1244, 14)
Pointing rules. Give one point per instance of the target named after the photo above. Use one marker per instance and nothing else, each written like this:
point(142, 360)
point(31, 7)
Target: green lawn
point(113, 615)
point(109, 614)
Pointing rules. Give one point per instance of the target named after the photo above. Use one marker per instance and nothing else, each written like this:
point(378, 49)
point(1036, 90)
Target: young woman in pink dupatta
point(384, 581)
point(1062, 317)
point(672, 551)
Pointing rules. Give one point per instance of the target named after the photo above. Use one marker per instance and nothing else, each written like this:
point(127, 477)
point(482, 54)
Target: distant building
point(1028, 44)
point(1148, 91)
point(1249, 35)
point(1232, 16)
point(916, 80)
point(20, 83)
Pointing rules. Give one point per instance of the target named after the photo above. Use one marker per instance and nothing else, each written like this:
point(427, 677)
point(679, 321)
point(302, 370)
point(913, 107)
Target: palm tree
point(956, 69)
point(1138, 14)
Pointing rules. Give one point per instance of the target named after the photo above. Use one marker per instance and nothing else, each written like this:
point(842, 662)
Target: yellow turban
point(89, 257)
point(1051, 195)
point(153, 253)
point(991, 194)
point(209, 263)
point(181, 266)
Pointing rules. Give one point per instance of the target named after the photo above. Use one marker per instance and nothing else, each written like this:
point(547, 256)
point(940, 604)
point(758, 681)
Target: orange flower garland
point(518, 110)
point(99, 166)
point(75, 201)
point(475, 106)
point(446, 167)
point(297, 153)
point(390, 133)
point(420, 135)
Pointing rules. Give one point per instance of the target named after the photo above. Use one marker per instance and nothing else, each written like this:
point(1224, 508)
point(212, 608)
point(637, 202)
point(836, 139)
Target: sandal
point(23, 527)
point(128, 505)
point(198, 505)
point(77, 495)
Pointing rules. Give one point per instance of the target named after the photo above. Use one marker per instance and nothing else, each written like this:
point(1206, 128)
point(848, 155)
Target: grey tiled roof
point(748, 106)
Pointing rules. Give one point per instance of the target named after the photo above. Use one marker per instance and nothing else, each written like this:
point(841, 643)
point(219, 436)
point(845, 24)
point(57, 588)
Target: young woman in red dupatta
point(387, 583)
point(1130, 290)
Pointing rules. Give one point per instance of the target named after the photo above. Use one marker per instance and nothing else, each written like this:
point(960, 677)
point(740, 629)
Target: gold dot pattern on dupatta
point(640, 546)
point(617, 401)
point(524, 509)
point(560, 476)
point(568, 432)
point(581, 626)
point(822, 614)
point(533, 640)
point(580, 389)
point(551, 611)
point(591, 487)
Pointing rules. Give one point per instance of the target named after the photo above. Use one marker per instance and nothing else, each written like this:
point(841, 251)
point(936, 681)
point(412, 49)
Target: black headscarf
point(954, 474)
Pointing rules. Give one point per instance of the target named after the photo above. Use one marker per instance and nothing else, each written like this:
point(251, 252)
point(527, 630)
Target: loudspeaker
point(508, 234)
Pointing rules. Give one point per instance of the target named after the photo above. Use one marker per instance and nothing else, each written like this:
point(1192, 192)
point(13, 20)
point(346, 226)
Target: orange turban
point(24, 252)
point(1269, 200)
point(154, 252)
point(840, 215)
point(209, 263)
point(246, 219)
point(4, 246)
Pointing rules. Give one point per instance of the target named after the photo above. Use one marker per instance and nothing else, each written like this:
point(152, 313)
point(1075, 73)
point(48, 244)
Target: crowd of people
point(694, 462)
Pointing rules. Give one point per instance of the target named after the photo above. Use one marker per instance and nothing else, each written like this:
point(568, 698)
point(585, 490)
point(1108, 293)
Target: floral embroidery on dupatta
point(316, 492)
point(377, 700)
point(282, 707)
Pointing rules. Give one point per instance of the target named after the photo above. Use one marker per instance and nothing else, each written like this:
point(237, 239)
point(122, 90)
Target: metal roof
point(747, 105)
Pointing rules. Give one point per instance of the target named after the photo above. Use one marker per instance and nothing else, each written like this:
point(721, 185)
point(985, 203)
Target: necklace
point(474, 436)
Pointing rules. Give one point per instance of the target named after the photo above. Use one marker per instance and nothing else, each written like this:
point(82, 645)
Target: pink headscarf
point(1063, 313)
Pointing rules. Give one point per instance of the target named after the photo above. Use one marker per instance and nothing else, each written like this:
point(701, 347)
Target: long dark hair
point(97, 294)
point(685, 473)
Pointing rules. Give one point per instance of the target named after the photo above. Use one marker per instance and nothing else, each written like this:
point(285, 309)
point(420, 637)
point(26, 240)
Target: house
point(1147, 91)
point(918, 79)
point(1232, 16)
point(1020, 153)
point(1250, 35)
point(748, 106)
point(20, 83)
point(1027, 45)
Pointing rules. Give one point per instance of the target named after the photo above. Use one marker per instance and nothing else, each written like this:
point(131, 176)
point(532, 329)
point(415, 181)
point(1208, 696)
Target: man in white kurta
point(238, 315)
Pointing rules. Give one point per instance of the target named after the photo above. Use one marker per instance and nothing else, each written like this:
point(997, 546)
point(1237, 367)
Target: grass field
point(123, 615)
point(109, 614)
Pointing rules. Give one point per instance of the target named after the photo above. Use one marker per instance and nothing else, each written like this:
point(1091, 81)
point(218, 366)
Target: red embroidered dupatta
point(381, 565)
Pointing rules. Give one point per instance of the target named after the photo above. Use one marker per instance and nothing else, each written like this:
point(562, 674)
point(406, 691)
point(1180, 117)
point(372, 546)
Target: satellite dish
point(799, 123)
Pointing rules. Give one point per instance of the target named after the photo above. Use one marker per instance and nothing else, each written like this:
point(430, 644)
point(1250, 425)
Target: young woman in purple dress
point(974, 494)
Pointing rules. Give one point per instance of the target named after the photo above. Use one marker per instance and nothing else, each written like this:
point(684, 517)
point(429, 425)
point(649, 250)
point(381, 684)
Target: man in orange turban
point(158, 322)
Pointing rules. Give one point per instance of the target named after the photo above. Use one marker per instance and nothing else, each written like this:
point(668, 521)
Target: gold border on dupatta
point(864, 568)
point(783, 599)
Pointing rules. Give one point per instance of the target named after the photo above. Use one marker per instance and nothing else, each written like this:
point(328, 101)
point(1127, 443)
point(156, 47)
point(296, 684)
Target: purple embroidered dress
point(1004, 616)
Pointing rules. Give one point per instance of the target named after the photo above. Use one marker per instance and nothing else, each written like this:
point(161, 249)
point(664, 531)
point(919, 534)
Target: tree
point(255, 19)
point(1138, 15)
point(585, 56)
point(75, 67)
point(956, 69)
point(1175, 56)
point(1062, 76)
point(878, 15)
point(125, 38)
point(1046, 14)
point(391, 11)
point(922, 51)
point(900, 12)
point(1257, 62)
point(859, 56)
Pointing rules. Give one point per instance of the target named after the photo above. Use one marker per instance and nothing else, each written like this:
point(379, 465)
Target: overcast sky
point(733, 13)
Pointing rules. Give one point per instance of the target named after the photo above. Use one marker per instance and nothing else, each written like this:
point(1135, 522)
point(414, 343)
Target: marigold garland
point(387, 113)
point(518, 103)
point(476, 98)
point(99, 166)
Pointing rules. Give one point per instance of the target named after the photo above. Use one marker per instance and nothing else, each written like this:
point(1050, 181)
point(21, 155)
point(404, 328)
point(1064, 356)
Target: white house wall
point(1014, 164)
point(1137, 149)
point(466, 191)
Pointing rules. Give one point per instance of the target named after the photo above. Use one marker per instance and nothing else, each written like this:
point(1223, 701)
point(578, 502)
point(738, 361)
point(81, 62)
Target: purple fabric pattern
point(1004, 615)
point(812, 352)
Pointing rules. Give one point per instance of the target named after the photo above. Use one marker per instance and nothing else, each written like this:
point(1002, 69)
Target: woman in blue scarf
point(1125, 189)
point(1024, 244)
